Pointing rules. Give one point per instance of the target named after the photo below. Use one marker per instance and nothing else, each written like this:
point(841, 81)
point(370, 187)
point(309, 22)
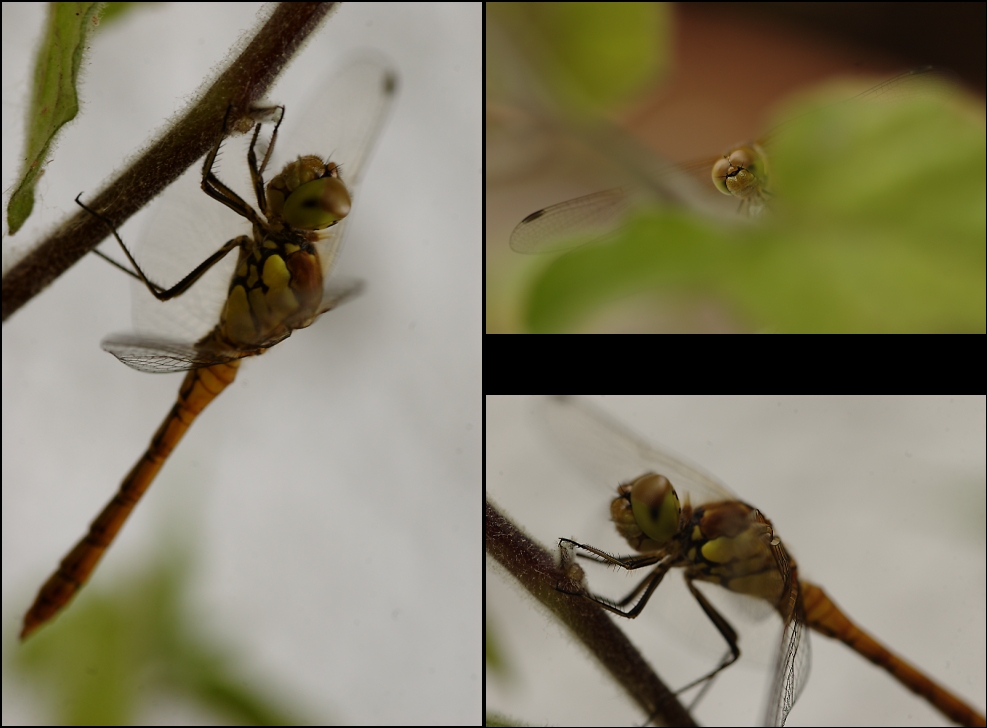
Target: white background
point(332, 492)
point(880, 500)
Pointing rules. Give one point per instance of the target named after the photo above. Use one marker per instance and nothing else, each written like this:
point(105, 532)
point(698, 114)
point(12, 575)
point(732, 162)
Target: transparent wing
point(156, 355)
point(338, 291)
point(571, 223)
point(929, 81)
point(793, 659)
point(791, 673)
point(596, 218)
point(345, 120)
point(341, 125)
point(183, 228)
point(608, 454)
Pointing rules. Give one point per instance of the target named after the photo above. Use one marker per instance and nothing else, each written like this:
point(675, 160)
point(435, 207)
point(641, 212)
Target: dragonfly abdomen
point(199, 388)
point(822, 615)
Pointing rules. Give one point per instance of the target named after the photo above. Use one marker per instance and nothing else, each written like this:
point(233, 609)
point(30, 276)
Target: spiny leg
point(647, 585)
point(216, 189)
point(160, 292)
point(257, 173)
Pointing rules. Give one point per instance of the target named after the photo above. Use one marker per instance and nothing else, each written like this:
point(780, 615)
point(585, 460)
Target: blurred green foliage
point(593, 56)
point(115, 653)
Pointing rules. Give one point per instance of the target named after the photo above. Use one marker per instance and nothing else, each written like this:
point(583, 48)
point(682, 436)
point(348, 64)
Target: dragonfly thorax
point(277, 287)
point(733, 545)
point(308, 195)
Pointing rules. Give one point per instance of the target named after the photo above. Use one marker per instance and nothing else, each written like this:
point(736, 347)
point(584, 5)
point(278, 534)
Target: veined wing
point(345, 120)
point(158, 355)
point(791, 672)
point(342, 125)
point(793, 656)
point(609, 454)
point(597, 217)
point(929, 81)
point(560, 227)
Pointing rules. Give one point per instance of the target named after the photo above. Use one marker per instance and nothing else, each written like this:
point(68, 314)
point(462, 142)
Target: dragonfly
point(741, 172)
point(678, 517)
point(280, 281)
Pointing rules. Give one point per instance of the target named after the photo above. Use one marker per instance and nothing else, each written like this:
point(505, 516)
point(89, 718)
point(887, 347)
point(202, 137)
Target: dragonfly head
point(741, 173)
point(647, 512)
point(308, 195)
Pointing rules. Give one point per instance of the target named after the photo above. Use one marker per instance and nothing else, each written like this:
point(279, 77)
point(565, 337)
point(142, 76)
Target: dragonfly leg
point(729, 634)
point(723, 627)
point(646, 587)
point(160, 292)
point(625, 562)
point(257, 173)
point(217, 190)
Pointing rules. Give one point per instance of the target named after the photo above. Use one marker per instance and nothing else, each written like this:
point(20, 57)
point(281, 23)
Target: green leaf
point(116, 652)
point(54, 101)
point(591, 56)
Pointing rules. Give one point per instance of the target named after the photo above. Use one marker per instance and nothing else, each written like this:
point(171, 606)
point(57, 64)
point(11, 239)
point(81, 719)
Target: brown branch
point(538, 572)
point(246, 80)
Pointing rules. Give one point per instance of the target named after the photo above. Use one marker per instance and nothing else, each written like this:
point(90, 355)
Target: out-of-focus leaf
point(590, 55)
point(116, 653)
point(112, 12)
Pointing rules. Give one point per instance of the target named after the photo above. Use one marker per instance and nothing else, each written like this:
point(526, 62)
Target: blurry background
point(715, 75)
point(322, 512)
point(879, 499)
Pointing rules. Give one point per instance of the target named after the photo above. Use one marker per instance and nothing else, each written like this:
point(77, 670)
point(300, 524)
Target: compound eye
point(720, 171)
point(743, 157)
point(656, 507)
point(317, 204)
point(741, 173)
